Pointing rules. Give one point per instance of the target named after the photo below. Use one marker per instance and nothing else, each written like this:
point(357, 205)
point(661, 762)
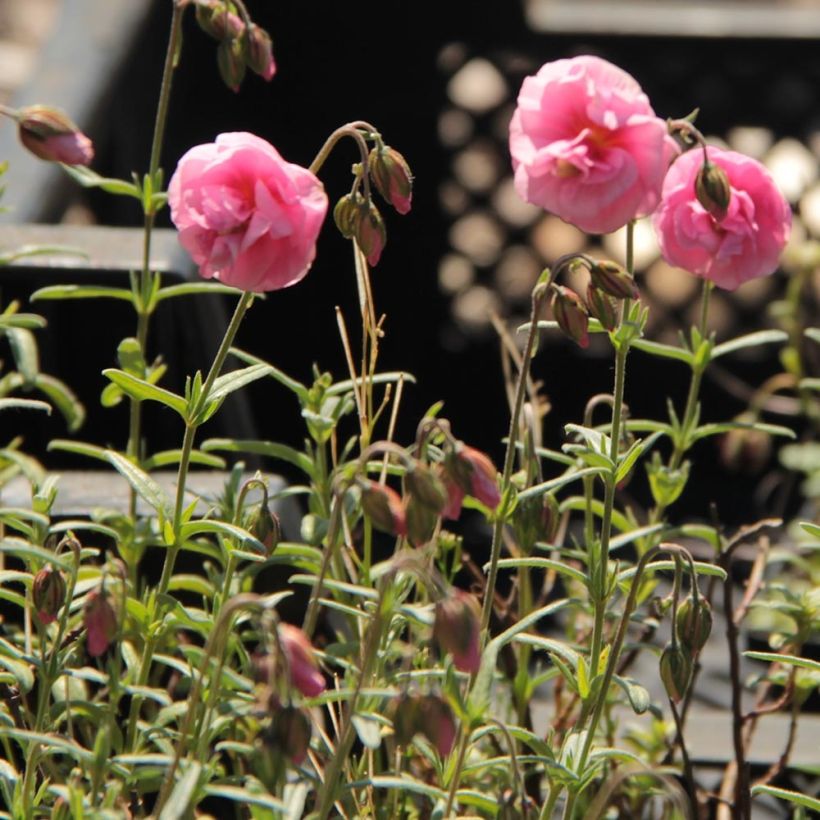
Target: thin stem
point(464, 741)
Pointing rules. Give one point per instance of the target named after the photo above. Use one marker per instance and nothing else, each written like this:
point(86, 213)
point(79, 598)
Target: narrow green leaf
point(377, 378)
point(799, 799)
point(628, 537)
point(24, 351)
point(91, 179)
point(286, 381)
point(244, 797)
point(263, 448)
point(656, 566)
point(627, 461)
point(788, 660)
point(145, 486)
point(760, 337)
point(368, 730)
point(54, 743)
point(167, 457)
point(53, 292)
point(662, 350)
point(190, 288)
point(811, 529)
point(722, 427)
point(24, 404)
point(142, 390)
point(638, 695)
point(80, 448)
point(809, 384)
point(542, 563)
point(230, 382)
point(555, 483)
point(62, 397)
point(182, 796)
point(22, 549)
point(27, 321)
point(207, 525)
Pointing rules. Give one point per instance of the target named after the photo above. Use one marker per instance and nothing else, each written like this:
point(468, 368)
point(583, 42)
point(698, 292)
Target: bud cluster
point(240, 47)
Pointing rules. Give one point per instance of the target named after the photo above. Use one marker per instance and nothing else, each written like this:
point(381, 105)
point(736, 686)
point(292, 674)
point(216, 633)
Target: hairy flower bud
point(384, 507)
point(100, 621)
point(536, 519)
point(426, 487)
point(693, 624)
point(457, 627)
point(675, 671)
point(49, 134)
point(371, 235)
point(346, 214)
point(474, 473)
point(301, 661)
point(611, 278)
point(392, 177)
point(289, 733)
point(713, 190)
point(259, 52)
point(404, 714)
point(571, 314)
point(745, 449)
point(231, 62)
point(219, 19)
point(602, 307)
point(420, 521)
point(265, 527)
point(48, 593)
point(436, 723)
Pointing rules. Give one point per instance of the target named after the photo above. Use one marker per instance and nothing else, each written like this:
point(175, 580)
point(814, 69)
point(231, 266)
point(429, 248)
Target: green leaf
point(638, 696)
point(582, 678)
point(168, 457)
point(377, 378)
point(263, 448)
point(181, 798)
point(545, 563)
point(788, 660)
point(22, 549)
point(54, 743)
point(244, 797)
point(53, 292)
point(130, 357)
point(656, 566)
point(230, 382)
point(190, 288)
point(63, 399)
point(286, 381)
point(722, 427)
point(628, 537)
point(27, 321)
point(662, 350)
point(91, 179)
point(760, 337)
point(555, 483)
point(627, 461)
point(142, 390)
point(812, 333)
point(80, 448)
point(809, 384)
point(24, 350)
point(792, 797)
point(231, 531)
point(811, 529)
point(22, 672)
point(145, 486)
point(368, 729)
point(24, 404)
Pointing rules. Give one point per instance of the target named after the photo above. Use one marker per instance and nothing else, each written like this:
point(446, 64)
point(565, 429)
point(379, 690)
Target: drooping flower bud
point(392, 176)
point(693, 624)
point(265, 526)
point(426, 487)
point(602, 307)
point(100, 621)
point(48, 593)
point(404, 714)
point(713, 190)
point(49, 134)
point(474, 473)
point(436, 723)
point(611, 278)
point(259, 52)
point(384, 507)
point(371, 235)
point(231, 63)
point(302, 665)
point(219, 19)
point(457, 627)
point(745, 449)
point(535, 519)
point(420, 521)
point(346, 214)
point(571, 314)
point(675, 671)
point(289, 733)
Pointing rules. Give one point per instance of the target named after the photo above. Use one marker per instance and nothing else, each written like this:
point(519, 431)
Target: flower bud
point(392, 177)
point(384, 507)
point(712, 189)
point(259, 52)
point(745, 449)
point(571, 314)
point(49, 134)
point(346, 214)
point(602, 306)
point(265, 527)
point(455, 498)
point(100, 621)
point(289, 733)
point(231, 63)
point(611, 278)
point(693, 624)
point(426, 487)
point(420, 521)
point(48, 593)
point(404, 714)
point(675, 670)
point(219, 19)
point(456, 629)
point(371, 235)
point(436, 722)
point(302, 666)
point(474, 473)
point(536, 519)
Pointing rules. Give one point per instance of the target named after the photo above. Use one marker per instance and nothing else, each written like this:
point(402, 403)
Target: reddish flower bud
point(457, 627)
point(384, 507)
point(475, 474)
point(231, 63)
point(611, 278)
point(420, 520)
point(713, 190)
point(426, 487)
point(602, 307)
point(392, 177)
point(259, 52)
point(302, 666)
point(265, 527)
point(693, 624)
point(404, 714)
point(675, 670)
point(49, 134)
point(536, 519)
point(371, 235)
point(48, 593)
point(571, 314)
point(436, 723)
point(219, 19)
point(289, 733)
point(745, 449)
point(100, 621)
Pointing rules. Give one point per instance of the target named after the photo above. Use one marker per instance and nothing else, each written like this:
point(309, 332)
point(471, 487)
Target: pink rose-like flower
point(587, 146)
point(745, 243)
point(247, 217)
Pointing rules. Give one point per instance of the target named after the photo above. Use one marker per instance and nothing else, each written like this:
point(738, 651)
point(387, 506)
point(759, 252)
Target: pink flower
point(100, 621)
point(247, 217)
point(304, 671)
point(474, 474)
point(587, 146)
point(745, 243)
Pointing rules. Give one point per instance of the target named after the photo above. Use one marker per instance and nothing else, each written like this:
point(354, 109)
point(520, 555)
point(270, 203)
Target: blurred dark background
point(440, 81)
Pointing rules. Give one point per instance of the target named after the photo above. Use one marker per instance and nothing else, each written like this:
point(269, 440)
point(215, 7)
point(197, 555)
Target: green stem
point(509, 459)
point(462, 754)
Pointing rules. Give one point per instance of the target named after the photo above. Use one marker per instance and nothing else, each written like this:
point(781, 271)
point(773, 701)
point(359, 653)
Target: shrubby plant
point(408, 688)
